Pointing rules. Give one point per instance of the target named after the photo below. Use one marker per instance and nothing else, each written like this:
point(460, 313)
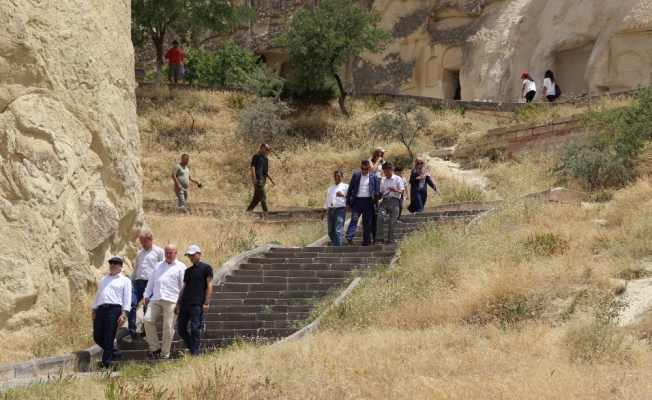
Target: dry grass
point(321, 140)
point(222, 239)
point(65, 332)
point(471, 313)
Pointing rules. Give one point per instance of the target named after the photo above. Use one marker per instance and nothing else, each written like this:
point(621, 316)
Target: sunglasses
point(419, 163)
point(115, 264)
point(364, 169)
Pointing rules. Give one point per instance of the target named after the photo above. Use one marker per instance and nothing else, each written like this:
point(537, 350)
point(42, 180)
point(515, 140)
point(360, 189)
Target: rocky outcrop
point(477, 49)
point(70, 176)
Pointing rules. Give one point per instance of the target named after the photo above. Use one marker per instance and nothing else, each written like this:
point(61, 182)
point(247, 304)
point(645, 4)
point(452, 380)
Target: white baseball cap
point(192, 250)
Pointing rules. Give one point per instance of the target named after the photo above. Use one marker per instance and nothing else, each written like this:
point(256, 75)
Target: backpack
point(557, 90)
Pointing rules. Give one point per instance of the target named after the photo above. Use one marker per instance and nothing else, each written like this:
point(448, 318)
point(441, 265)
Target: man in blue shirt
point(194, 299)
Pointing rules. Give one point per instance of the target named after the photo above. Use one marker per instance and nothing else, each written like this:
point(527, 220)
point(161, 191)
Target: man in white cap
point(110, 308)
point(194, 299)
point(160, 297)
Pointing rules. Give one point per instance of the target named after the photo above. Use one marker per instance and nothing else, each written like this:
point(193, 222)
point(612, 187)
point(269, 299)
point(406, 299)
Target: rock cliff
point(477, 49)
point(70, 175)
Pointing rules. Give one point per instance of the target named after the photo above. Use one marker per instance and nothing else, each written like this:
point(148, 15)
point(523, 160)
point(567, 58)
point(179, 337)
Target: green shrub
point(405, 123)
point(223, 67)
point(307, 88)
point(462, 194)
point(376, 102)
point(606, 157)
point(546, 244)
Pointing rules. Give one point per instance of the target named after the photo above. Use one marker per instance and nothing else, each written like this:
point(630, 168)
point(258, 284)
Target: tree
point(320, 43)
point(153, 19)
point(224, 67)
point(405, 123)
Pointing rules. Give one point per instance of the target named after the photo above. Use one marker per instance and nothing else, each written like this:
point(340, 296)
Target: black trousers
point(259, 196)
point(105, 327)
point(529, 96)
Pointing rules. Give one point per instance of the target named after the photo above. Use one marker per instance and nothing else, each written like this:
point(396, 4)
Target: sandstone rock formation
point(70, 175)
point(477, 49)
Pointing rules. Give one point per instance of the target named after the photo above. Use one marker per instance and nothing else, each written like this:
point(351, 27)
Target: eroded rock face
point(477, 49)
point(70, 176)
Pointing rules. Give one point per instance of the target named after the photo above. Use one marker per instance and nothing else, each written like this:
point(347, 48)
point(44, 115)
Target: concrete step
point(341, 250)
point(261, 316)
point(313, 268)
point(328, 260)
point(253, 309)
point(281, 279)
point(270, 287)
point(264, 302)
point(278, 294)
point(293, 255)
point(333, 274)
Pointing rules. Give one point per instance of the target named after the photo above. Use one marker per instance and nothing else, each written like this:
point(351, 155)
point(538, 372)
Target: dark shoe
point(378, 242)
point(350, 241)
point(154, 354)
point(117, 355)
point(390, 243)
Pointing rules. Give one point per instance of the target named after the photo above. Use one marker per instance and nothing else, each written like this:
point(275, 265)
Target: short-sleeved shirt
point(183, 175)
point(260, 162)
point(530, 86)
point(195, 280)
point(174, 56)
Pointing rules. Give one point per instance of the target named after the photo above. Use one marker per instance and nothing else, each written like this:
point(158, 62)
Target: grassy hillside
point(525, 303)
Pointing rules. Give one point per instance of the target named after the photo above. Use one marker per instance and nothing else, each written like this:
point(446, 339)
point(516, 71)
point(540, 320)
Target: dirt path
point(449, 169)
point(638, 295)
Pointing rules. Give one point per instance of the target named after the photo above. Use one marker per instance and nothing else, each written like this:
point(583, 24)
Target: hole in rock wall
point(570, 70)
point(286, 70)
point(451, 85)
point(451, 63)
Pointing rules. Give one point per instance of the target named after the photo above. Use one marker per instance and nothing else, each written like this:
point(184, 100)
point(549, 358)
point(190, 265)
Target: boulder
point(70, 175)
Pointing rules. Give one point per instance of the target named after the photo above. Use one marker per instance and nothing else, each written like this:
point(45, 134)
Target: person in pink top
point(175, 61)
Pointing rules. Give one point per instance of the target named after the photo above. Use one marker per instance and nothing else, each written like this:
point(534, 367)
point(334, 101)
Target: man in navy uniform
point(110, 308)
point(361, 199)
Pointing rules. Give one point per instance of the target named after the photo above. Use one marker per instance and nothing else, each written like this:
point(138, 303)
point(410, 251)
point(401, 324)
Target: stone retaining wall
point(539, 136)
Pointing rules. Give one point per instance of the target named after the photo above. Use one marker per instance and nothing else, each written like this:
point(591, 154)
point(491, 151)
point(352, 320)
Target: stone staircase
point(270, 296)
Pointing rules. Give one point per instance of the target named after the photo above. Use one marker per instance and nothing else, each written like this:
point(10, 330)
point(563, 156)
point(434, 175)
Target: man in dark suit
point(361, 199)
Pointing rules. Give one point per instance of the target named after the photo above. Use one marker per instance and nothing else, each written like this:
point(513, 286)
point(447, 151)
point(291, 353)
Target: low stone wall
point(276, 213)
point(539, 136)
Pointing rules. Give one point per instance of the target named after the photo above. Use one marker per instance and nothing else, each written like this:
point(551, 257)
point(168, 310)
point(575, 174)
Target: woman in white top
point(549, 90)
point(377, 161)
point(529, 87)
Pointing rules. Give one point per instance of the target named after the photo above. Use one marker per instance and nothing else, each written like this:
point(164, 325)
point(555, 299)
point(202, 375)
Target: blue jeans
point(364, 206)
point(105, 327)
point(137, 291)
point(336, 220)
point(192, 313)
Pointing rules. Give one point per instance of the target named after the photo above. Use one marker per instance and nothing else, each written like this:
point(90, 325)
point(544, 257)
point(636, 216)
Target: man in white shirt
point(146, 261)
point(391, 189)
point(161, 297)
point(335, 206)
point(110, 308)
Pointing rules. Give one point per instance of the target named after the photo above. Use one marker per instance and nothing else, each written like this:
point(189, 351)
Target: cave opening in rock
point(451, 84)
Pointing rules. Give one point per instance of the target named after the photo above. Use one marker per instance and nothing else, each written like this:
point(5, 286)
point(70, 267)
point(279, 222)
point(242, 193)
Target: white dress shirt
point(396, 182)
point(363, 189)
point(146, 262)
point(114, 290)
point(166, 281)
point(331, 196)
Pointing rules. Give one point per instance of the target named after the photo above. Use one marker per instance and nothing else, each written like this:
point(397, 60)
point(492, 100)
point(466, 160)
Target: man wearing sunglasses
point(361, 200)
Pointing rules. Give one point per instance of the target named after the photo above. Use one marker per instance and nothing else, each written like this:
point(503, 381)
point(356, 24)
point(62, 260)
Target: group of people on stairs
point(376, 193)
point(166, 287)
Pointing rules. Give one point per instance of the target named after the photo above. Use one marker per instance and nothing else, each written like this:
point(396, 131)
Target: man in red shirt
point(175, 60)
